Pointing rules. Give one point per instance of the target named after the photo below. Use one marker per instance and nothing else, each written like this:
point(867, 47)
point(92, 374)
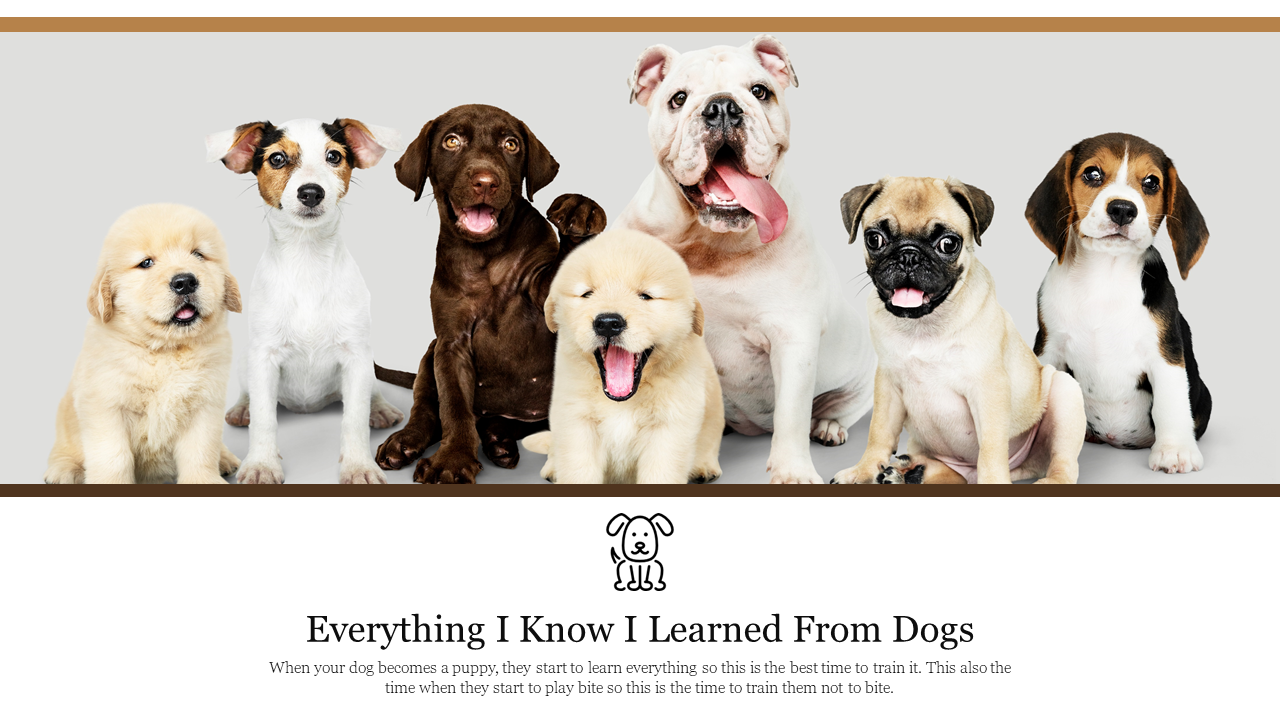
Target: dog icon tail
point(613, 555)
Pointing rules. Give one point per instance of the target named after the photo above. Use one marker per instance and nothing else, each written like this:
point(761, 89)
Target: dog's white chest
point(167, 391)
point(933, 383)
point(1097, 327)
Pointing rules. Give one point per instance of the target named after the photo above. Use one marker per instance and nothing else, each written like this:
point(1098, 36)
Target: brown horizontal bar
point(622, 491)
point(642, 24)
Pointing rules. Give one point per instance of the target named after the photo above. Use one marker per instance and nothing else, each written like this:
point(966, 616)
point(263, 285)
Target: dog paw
point(577, 216)
point(227, 462)
point(1173, 458)
point(860, 474)
point(238, 415)
point(257, 472)
point(796, 474)
point(383, 414)
point(702, 477)
point(202, 480)
point(64, 474)
point(365, 473)
point(400, 449)
point(447, 468)
point(828, 432)
point(505, 453)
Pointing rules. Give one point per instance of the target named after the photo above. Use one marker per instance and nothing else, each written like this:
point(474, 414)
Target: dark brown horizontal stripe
point(705, 24)
point(613, 491)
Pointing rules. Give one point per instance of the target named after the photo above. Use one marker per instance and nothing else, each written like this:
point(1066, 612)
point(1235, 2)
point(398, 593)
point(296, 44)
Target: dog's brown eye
point(587, 294)
point(452, 142)
point(333, 157)
point(678, 99)
point(874, 239)
point(1093, 176)
point(1150, 184)
point(948, 244)
point(511, 145)
point(198, 254)
point(146, 263)
point(760, 92)
point(277, 160)
point(646, 296)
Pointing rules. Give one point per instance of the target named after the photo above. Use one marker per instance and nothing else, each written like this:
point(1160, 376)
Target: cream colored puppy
point(636, 397)
point(145, 401)
point(977, 404)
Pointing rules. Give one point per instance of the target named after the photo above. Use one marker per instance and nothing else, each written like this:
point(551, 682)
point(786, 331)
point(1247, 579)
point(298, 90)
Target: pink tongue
point(756, 195)
point(478, 219)
point(908, 297)
point(619, 371)
point(185, 313)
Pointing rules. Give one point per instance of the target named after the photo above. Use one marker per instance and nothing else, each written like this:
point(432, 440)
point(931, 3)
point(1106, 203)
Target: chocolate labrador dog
point(486, 378)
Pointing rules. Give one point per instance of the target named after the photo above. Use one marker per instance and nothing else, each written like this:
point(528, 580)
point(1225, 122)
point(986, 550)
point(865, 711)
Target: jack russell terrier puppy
point(953, 368)
point(309, 326)
point(793, 356)
point(1107, 311)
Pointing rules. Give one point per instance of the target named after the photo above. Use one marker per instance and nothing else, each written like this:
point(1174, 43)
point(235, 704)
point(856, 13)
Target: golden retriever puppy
point(636, 397)
point(145, 401)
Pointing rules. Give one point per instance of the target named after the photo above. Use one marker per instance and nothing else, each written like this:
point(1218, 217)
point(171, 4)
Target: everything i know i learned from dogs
point(708, 308)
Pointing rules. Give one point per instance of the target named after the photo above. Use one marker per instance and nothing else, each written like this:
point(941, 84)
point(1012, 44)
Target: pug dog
point(977, 404)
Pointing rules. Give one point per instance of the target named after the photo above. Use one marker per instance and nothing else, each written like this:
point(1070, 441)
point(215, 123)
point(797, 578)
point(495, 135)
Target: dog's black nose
point(640, 546)
point(909, 257)
point(609, 325)
point(723, 113)
point(184, 284)
point(310, 194)
point(1122, 212)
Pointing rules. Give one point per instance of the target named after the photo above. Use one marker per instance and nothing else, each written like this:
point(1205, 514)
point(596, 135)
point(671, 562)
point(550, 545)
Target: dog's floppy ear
point(549, 310)
point(1186, 225)
point(539, 167)
point(855, 202)
point(102, 295)
point(235, 148)
point(662, 523)
point(698, 317)
point(617, 523)
point(413, 168)
point(774, 58)
point(651, 69)
point(368, 142)
point(1050, 211)
point(231, 298)
point(977, 205)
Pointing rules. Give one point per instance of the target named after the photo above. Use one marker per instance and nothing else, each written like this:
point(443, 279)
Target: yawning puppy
point(953, 367)
point(1108, 313)
point(145, 402)
point(636, 397)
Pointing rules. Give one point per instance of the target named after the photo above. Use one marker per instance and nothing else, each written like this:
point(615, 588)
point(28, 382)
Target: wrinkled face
point(477, 163)
point(303, 167)
point(621, 301)
point(917, 238)
point(640, 540)
point(1117, 189)
point(718, 126)
point(163, 274)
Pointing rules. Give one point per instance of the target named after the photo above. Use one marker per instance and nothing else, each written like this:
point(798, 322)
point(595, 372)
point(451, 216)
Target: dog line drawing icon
point(639, 561)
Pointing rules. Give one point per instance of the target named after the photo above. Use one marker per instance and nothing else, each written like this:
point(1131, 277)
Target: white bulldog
point(794, 358)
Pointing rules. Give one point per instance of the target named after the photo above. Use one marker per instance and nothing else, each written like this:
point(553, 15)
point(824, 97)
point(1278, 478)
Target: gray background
point(97, 124)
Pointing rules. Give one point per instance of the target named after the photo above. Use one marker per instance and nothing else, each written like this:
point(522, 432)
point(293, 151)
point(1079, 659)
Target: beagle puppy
point(1108, 314)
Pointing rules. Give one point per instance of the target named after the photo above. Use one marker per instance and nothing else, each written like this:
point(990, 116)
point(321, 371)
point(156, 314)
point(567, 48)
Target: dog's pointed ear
point(231, 298)
point(1050, 211)
point(368, 142)
point(662, 523)
point(698, 317)
point(549, 310)
point(236, 147)
point(855, 203)
point(413, 168)
point(617, 523)
point(1186, 225)
point(102, 296)
point(977, 204)
point(539, 167)
point(651, 69)
point(774, 58)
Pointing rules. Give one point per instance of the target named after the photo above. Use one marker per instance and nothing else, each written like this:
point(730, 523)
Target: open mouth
point(186, 315)
point(476, 219)
point(912, 302)
point(729, 189)
point(620, 370)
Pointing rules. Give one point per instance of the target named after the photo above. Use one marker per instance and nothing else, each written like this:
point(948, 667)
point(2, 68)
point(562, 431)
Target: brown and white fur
point(145, 401)
point(953, 368)
point(636, 397)
point(309, 322)
point(1108, 313)
point(793, 355)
